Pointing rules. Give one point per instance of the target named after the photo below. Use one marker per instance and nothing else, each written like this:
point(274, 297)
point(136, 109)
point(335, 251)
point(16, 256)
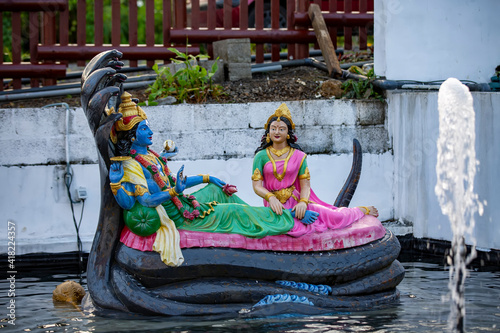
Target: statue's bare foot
point(369, 210)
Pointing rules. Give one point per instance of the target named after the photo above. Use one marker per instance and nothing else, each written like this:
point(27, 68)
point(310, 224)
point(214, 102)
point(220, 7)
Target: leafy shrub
point(361, 89)
point(192, 83)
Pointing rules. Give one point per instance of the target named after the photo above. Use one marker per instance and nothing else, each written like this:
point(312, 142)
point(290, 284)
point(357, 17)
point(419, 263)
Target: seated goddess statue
point(281, 177)
point(154, 204)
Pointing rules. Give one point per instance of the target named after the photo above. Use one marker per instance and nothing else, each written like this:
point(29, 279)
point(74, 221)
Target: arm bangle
point(115, 187)
point(206, 178)
point(304, 200)
point(268, 196)
point(172, 192)
point(366, 208)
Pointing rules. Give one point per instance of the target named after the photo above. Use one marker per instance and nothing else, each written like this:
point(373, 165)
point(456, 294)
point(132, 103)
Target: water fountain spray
point(456, 169)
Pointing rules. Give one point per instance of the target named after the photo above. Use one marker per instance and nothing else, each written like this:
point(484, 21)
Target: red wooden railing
point(50, 47)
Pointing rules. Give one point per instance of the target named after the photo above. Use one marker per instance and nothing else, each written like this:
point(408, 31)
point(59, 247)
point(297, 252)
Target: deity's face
point(278, 131)
point(144, 134)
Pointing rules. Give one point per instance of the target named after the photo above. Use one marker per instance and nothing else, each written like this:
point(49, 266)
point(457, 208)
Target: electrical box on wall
point(81, 193)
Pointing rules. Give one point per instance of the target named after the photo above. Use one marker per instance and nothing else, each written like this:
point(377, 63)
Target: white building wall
point(214, 139)
point(414, 129)
point(426, 40)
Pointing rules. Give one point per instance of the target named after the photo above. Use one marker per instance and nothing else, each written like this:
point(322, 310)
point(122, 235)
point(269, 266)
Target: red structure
point(183, 21)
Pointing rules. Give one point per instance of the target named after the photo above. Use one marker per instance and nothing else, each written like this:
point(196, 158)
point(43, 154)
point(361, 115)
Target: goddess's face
point(278, 131)
point(144, 134)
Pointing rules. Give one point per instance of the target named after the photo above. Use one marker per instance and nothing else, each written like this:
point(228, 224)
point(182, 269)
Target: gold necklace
point(279, 152)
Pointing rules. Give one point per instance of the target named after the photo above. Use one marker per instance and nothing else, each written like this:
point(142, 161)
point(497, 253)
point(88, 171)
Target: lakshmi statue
point(154, 204)
point(281, 177)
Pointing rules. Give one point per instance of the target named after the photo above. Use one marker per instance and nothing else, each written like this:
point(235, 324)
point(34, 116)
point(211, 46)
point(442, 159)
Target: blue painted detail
point(283, 298)
point(319, 289)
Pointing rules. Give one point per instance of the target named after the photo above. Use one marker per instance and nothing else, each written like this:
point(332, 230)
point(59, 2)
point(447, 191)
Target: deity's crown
point(282, 111)
point(132, 115)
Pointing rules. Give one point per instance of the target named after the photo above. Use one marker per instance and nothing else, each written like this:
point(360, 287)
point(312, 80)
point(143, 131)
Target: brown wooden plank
point(363, 38)
point(211, 24)
point(19, 71)
point(256, 36)
point(302, 50)
point(347, 30)
point(81, 22)
point(34, 19)
point(243, 24)
point(1, 48)
point(167, 22)
point(275, 25)
point(115, 23)
point(332, 30)
point(33, 5)
point(150, 27)
point(227, 9)
point(56, 52)
point(324, 41)
point(180, 13)
point(195, 14)
point(259, 25)
point(49, 38)
point(132, 27)
point(290, 23)
point(16, 44)
point(98, 22)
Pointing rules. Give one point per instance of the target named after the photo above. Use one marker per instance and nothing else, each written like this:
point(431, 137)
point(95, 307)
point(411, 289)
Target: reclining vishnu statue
point(161, 251)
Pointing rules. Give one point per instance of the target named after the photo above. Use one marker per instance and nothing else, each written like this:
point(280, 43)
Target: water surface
point(423, 307)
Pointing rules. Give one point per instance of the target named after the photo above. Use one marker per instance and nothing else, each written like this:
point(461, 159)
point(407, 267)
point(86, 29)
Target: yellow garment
point(167, 242)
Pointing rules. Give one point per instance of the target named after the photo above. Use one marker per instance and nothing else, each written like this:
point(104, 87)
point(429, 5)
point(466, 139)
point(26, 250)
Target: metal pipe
point(265, 69)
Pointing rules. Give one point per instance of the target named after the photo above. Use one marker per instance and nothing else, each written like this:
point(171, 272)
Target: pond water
point(423, 307)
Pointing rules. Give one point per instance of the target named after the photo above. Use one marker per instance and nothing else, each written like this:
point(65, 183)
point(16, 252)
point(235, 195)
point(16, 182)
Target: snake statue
point(223, 282)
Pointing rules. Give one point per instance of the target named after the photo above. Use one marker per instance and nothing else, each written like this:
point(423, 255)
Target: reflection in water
point(421, 309)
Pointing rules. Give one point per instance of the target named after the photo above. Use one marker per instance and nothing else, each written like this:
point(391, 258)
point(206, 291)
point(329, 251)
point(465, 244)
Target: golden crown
point(282, 111)
point(132, 115)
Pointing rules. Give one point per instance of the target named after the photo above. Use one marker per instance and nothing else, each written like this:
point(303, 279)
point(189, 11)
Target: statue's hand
point(180, 185)
point(169, 155)
point(300, 210)
point(276, 205)
point(310, 217)
point(116, 172)
point(217, 181)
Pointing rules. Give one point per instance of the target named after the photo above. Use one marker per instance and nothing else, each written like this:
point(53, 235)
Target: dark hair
point(124, 142)
point(291, 142)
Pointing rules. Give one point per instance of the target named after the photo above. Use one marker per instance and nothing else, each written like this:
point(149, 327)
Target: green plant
point(361, 89)
point(192, 83)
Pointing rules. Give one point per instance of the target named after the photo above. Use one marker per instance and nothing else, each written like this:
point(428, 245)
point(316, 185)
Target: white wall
point(414, 129)
point(427, 40)
point(214, 139)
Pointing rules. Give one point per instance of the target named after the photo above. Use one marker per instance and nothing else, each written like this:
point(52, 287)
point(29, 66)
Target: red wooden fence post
point(81, 35)
point(275, 25)
point(150, 27)
point(290, 22)
point(34, 22)
point(1, 48)
point(16, 45)
point(167, 23)
point(132, 27)
point(347, 30)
